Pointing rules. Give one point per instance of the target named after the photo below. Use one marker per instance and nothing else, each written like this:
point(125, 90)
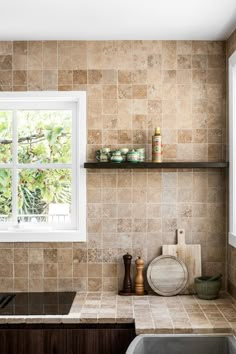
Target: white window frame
point(77, 233)
point(232, 149)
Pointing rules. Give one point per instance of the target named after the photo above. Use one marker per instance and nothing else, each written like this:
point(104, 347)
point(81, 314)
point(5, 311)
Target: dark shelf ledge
point(150, 164)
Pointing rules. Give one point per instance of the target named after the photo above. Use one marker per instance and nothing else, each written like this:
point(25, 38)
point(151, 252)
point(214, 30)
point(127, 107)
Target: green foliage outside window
point(43, 137)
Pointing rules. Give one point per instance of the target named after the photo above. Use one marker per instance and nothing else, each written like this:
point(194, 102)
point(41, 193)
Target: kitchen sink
point(183, 344)
point(36, 303)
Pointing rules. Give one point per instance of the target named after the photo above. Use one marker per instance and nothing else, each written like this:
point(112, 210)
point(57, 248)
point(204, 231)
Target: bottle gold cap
point(158, 131)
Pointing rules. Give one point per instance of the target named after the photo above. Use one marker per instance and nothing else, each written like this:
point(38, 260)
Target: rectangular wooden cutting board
point(190, 255)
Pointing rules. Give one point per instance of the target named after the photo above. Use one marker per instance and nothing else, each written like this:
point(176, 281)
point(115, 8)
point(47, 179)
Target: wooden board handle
point(180, 236)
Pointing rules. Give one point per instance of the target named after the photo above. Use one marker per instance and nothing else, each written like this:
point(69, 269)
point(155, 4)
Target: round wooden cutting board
point(167, 275)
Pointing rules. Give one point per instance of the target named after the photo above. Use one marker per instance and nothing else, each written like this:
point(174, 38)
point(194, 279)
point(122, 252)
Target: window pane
point(5, 136)
point(44, 136)
point(44, 195)
point(5, 195)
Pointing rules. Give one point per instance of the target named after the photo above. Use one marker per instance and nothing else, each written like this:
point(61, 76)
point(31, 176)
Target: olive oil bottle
point(157, 146)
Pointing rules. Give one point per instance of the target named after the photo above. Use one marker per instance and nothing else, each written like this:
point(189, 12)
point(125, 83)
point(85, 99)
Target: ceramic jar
point(105, 150)
point(116, 156)
point(103, 155)
point(124, 152)
point(132, 156)
point(141, 153)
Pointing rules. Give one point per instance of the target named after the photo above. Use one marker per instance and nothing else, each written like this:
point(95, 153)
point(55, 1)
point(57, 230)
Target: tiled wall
point(132, 87)
point(231, 47)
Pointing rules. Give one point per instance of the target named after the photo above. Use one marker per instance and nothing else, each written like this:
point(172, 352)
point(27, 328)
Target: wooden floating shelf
point(159, 165)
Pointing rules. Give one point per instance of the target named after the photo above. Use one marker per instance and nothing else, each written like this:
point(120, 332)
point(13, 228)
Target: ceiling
point(117, 19)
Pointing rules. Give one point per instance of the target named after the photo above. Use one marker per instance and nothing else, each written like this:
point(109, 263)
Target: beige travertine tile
point(6, 270)
point(216, 61)
point(199, 61)
point(21, 284)
point(109, 91)
point(184, 61)
point(110, 284)
point(19, 58)
point(124, 77)
point(50, 80)
point(35, 271)
point(65, 270)
point(215, 76)
point(64, 284)
point(199, 47)
point(184, 136)
point(50, 55)
point(124, 91)
point(50, 255)
point(154, 61)
point(35, 55)
point(95, 270)
point(216, 47)
point(79, 76)
point(50, 284)
point(109, 180)
point(94, 76)
point(109, 76)
point(50, 270)
point(5, 78)
point(35, 80)
point(65, 77)
point(168, 91)
point(139, 91)
point(35, 285)
point(21, 270)
point(184, 77)
point(132, 87)
point(184, 47)
point(20, 77)
point(95, 284)
point(154, 106)
point(109, 270)
point(79, 55)
point(20, 255)
point(64, 255)
point(124, 210)
point(6, 256)
point(139, 76)
point(65, 54)
point(6, 47)
point(94, 136)
point(5, 62)
point(36, 256)
point(110, 106)
point(168, 54)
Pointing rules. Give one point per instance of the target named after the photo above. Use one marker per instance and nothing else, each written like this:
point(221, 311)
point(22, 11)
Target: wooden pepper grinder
point(127, 284)
point(139, 281)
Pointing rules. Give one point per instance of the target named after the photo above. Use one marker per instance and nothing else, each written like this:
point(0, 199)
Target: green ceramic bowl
point(208, 287)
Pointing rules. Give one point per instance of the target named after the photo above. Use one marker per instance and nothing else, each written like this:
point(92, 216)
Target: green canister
point(132, 156)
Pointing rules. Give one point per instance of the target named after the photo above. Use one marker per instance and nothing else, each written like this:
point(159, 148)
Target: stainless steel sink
point(183, 344)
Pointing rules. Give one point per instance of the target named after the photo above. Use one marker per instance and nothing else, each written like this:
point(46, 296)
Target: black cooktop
point(46, 303)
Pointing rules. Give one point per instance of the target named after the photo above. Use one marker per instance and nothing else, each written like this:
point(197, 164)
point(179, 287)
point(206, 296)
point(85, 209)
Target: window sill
point(232, 239)
point(42, 236)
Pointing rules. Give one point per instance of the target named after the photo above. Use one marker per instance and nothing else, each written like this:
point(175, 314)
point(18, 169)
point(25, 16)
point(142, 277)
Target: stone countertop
point(151, 314)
